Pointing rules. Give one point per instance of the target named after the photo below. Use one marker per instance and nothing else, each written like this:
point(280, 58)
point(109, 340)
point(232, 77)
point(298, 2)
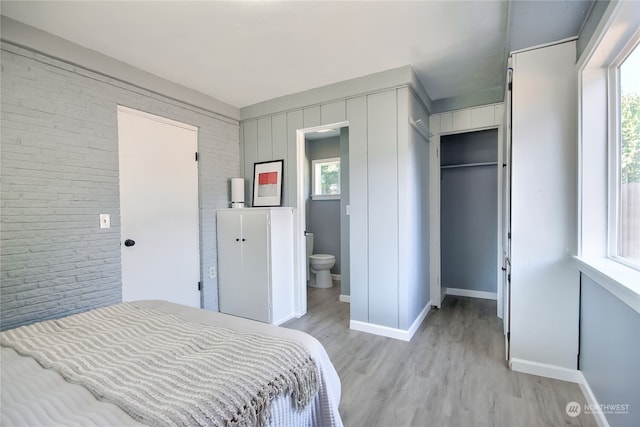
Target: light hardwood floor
point(452, 373)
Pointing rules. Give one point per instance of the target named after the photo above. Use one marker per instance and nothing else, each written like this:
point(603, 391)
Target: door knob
point(129, 242)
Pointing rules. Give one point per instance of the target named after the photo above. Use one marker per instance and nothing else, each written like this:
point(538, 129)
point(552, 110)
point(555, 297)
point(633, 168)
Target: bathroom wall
point(323, 216)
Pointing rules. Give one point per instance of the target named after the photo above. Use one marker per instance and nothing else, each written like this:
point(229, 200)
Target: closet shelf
point(468, 165)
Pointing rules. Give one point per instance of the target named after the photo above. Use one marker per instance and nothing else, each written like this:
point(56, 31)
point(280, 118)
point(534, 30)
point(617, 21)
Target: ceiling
point(245, 52)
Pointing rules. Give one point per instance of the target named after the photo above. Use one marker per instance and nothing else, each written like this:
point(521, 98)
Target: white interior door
point(158, 208)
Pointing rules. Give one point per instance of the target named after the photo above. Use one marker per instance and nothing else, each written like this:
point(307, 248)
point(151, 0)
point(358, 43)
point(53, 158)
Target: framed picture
point(267, 183)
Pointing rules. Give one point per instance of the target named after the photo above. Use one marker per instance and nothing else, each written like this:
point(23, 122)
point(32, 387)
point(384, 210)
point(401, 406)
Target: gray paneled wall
point(359, 218)
point(323, 216)
point(59, 171)
point(413, 215)
point(469, 211)
point(382, 185)
point(388, 197)
point(610, 351)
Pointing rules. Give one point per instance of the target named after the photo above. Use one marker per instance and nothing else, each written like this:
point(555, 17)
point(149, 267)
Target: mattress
point(32, 395)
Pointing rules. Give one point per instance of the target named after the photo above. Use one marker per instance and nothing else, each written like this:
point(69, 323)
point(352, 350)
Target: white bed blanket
point(32, 395)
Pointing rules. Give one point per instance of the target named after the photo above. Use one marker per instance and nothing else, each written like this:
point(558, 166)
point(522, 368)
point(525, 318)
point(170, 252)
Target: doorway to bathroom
point(323, 198)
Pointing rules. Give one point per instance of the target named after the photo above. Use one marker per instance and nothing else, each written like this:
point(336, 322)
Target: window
point(607, 155)
point(625, 166)
point(326, 178)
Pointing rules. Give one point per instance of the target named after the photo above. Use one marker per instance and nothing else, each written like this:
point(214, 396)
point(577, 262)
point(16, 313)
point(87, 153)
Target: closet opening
point(469, 214)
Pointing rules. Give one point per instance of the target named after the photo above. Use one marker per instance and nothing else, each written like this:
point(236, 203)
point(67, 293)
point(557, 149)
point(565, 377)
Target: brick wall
point(59, 171)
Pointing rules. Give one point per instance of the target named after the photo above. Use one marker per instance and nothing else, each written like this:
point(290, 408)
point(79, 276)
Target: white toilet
point(320, 265)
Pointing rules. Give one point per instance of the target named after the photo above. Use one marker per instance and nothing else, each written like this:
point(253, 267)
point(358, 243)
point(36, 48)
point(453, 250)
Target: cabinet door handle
point(237, 240)
point(244, 240)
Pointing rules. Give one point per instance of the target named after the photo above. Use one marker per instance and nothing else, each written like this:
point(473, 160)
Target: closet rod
point(469, 165)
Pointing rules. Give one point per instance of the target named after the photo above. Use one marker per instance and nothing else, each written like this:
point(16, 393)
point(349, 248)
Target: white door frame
point(300, 292)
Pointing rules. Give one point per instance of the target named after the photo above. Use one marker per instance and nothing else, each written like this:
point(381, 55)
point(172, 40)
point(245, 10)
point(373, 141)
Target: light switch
point(348, 209)
point(105, 221)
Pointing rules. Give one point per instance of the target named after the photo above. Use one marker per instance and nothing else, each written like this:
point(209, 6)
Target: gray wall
point(388, 232)
point(610, 350)
point(469, 211)
point(59, 170)
point(589, 27)
point(323, 216)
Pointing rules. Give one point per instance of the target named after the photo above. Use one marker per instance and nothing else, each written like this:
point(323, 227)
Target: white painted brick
point(59, 170)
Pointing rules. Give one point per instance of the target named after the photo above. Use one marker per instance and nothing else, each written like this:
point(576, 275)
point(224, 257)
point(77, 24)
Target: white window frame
point(314, 194)
point(614, 145)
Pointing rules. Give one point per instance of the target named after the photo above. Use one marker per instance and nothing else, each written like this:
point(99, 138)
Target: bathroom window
point(326, 178)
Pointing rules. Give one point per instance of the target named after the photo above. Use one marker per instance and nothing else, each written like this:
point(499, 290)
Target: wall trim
point(544, 370)
point(345, 298)
point(351, 88)
point(286, 318)
point(35, 40)
point(471, 293)
point(395, 333)
point(601, 419)
point(543, 45)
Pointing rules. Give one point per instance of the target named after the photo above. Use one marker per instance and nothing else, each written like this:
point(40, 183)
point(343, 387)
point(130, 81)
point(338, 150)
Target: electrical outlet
point(212, 273)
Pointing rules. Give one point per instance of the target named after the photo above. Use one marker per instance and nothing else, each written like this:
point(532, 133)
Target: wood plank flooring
point(452, 373)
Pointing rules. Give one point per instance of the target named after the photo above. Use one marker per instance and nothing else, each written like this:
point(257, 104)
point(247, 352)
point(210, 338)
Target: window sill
point(619, 279)
point(325, 197)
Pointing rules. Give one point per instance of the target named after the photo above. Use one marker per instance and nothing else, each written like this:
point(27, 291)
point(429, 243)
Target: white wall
point(544, 281)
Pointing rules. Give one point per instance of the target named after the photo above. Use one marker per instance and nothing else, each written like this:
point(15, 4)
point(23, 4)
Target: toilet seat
point(322, 257)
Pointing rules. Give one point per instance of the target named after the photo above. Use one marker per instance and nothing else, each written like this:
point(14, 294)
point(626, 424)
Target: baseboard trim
point(416, 323)
point(337, 277)
point(286, 319)
point(472, 294)
point(385, 331)
point(345, 298)
point(544, 370)
point(592, 402)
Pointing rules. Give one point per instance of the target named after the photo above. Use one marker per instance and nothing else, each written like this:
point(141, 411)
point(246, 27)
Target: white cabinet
point(544, 293)
point(256, 263)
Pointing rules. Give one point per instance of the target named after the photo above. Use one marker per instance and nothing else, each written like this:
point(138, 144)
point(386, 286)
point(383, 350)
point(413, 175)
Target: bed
point(135, 364)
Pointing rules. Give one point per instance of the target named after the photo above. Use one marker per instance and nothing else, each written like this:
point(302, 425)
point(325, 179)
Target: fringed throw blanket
point(163, 370)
